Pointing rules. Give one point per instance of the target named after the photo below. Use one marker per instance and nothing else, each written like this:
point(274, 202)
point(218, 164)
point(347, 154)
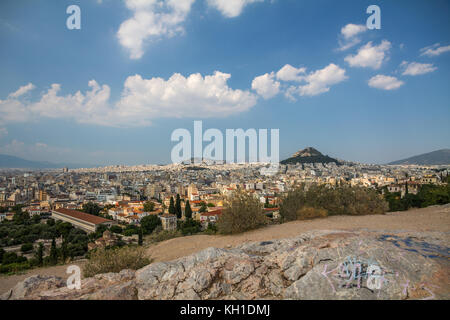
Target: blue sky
point(144, 68)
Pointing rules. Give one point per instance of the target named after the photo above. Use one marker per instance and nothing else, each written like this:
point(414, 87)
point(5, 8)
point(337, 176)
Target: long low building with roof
point(84, 221)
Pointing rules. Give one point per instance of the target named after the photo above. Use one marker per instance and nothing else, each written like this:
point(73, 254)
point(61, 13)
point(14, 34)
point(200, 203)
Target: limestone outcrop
point(315, 265)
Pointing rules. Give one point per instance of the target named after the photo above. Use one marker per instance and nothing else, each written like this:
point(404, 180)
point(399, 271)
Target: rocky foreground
point(314, 265)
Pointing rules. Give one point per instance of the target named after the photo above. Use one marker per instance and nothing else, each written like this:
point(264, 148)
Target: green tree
point(26, 247)
point(21, 217)
point(178, 206)
point(140, 239)
point(149, 223)
point(188, 210)
point(171, 206)
point(116, 229)
point(189, 227)
point(91, 208)
point(53, 253)
point(40, 254)
point(149, 206)
point(64, 251)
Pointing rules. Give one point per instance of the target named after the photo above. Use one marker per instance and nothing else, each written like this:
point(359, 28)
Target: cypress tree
point(64, 251)
point(171, 206)
point(140, 240)
point(40, 254)
point(53, 253)
point(178, 206)
point(188, 210)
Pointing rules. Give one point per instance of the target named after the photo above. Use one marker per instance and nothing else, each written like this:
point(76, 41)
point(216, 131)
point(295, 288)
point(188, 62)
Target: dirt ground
point(436, 218)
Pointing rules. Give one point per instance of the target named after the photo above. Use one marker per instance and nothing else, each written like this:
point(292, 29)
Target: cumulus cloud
point(416, 68)
point(349, 35)
point(22, 90)
point(434, 50)
point(266, 86)
point(231, 8)
point(13, 110)
point(369, 56)
point(385, 82)
point(152, 19)
point(321, 80)
point(351, 30)
point(290, 73)
point(141, 101)
point(310, 84)
point(179, 96)
point(89, 107)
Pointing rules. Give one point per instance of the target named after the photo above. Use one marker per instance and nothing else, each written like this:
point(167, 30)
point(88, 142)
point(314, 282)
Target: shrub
point(12, 257)
point(292, 202)
point(211, 229)
point(190, 226)
point(14, 267)
point(242, 212)
point(27, 247)
point(115, 260)
point(116, 229)
point(310, 213)
point(335, 201)
point(149, 223)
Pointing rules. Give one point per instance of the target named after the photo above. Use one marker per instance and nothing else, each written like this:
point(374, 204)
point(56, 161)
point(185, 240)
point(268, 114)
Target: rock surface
point(314, 265)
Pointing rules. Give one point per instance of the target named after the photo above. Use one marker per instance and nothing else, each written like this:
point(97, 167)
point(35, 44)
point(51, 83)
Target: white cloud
point(90, 107)
point(369, 56)
point(385, 82)
point(320, 81)
point(13, 110)
point(415, 68)
point(266, 86)
point(434, 50)
point(141, 101)
point(351, 30)
point(231, 8)
point(22, 90)
point(194, 96)
point(290, 73)
point(152, 19)
point(311, 84)
point(349, 35)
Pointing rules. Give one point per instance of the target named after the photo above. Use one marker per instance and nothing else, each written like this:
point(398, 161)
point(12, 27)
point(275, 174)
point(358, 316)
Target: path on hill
point(435, 218)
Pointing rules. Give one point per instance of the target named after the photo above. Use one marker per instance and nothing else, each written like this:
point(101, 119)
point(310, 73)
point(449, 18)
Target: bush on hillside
point(311, 213)
point(343, 200)
point(242, 212)
point(115, 260)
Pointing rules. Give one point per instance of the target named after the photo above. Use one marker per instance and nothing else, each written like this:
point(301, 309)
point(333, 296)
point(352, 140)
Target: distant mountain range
point(309, 155)
point(12, 162)
point(432, 158)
